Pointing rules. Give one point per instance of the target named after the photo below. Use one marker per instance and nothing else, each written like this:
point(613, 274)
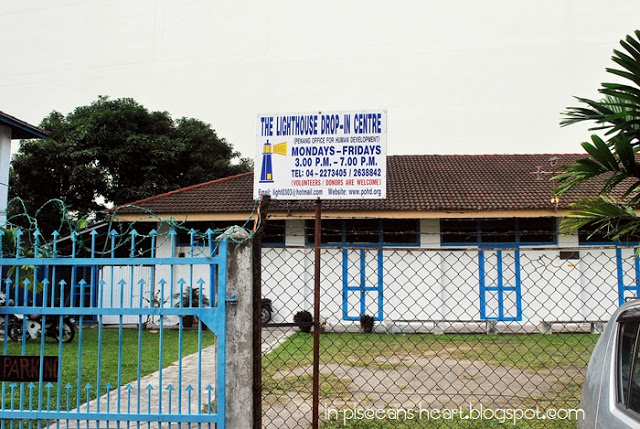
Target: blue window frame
point(366, 232)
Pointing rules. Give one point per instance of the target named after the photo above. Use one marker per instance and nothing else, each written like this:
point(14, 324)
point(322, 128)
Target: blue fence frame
point(361, 288)
point(500, 288)
point(634, 287)
point(67, 399)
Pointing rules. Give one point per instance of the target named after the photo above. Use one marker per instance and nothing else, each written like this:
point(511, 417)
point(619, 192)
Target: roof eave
point(349, 214)
point(21, 129)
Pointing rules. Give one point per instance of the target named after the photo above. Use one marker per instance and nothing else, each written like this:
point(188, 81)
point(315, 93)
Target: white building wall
point(140, 286)
point(431, 283)
point(550, 287)
point(460, 285)
point(429, 233)
point(124, 287)
point(295, 233)
point(330, 284)
point(287, 279)
point(5, 159)
point(599, 283)
point(412, 285)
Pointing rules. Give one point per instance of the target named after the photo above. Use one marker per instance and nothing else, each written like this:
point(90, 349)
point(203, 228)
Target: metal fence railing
point(92, 338)
point(457, 334)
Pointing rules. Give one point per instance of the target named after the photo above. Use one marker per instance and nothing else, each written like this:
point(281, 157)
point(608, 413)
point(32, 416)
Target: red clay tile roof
point(422, 183)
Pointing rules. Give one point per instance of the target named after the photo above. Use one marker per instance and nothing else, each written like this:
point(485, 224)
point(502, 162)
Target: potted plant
point(153, 300)
point(304, 319)
point(190, 298)
point(366, 323)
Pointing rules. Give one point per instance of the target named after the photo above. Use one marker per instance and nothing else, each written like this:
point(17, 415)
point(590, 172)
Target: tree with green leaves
point(612, 164)
point(112, 152)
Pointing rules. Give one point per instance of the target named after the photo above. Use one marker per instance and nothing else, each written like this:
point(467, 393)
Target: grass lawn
point(116, 352)
point(560, 357)
point(534, 351)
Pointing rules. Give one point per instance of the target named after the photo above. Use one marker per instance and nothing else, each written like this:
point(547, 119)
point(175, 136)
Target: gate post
point(239, 351)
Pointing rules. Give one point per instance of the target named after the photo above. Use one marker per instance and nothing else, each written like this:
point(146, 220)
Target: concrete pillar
point(5, 159)
point(239, 354)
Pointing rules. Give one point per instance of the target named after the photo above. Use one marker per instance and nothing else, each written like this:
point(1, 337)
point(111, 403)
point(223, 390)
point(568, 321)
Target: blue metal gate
point(132, 359)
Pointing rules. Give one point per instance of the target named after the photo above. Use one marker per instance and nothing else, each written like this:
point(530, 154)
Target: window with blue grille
point(386, 232)
point(591, 235)
point(530, 231)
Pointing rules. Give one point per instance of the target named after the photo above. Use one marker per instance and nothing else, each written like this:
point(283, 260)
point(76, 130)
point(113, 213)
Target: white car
point(611, 390)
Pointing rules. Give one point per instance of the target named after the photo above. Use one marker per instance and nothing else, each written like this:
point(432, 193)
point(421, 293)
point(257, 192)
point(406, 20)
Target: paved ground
point(273, 337)
point(427, 381)
point(149, 400)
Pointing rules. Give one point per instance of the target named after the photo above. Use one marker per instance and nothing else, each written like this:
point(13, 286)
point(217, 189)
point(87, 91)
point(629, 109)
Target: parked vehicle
point(265, 310)
point(13, 325)
point(32, 328)
point(7, 318)
point(611, 389)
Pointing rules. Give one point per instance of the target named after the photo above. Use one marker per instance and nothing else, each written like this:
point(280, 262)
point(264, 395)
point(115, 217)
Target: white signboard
point(325, 155)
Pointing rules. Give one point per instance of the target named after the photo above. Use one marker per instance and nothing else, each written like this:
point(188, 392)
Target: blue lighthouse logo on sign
point(266, 172)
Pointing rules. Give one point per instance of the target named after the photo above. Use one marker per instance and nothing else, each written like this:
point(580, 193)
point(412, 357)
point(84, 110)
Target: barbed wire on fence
point(78, 225)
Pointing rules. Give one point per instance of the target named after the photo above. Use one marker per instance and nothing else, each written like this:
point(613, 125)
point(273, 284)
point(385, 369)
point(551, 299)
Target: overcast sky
point(455, 76)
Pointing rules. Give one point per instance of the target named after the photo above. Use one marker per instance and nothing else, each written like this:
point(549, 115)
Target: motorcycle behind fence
point(23, 327)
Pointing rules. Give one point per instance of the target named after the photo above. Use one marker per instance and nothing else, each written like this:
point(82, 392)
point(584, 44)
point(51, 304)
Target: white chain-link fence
point(456, 332)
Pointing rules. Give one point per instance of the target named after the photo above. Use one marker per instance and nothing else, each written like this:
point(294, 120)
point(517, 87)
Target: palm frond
point(602, 215)
point(619, 111)
point(611, 163)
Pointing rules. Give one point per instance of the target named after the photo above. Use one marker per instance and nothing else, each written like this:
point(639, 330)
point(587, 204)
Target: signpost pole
point(316, 317)
point(315, 156)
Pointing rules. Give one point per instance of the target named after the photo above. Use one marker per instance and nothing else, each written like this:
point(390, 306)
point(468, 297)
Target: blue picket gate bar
point(115, 369)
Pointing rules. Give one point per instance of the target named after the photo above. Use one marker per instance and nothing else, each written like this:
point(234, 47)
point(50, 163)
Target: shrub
point(190, 297)
point(304, 319)
point(366, 323)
